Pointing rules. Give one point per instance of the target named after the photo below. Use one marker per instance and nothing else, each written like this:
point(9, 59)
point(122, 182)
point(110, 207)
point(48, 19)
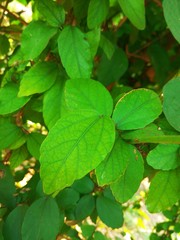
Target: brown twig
point(134, 55)
point(121, 22)
point(159, 4)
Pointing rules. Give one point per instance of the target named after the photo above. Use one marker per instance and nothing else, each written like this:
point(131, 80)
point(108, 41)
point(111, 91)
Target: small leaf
point(171, 104)
point(18, 156)
point(9, 101)
point(34, 141)
point(164, 157)
point(84, 185)
point(75, 145)
point(110, 212)
point(85, 207)
point(115, 163)
point(136, 109)
point(125, 187)
point(135, 11)
point(97, 12)
point(5, 43)
point(42, 220)
point(35, 38)
point(164, 190)
point(77, 62)
point(67, 198)
point(83, 94)
point(38, 79)
point(107, 46)
point(53, 12)
point(172, 16)
point(93, 38)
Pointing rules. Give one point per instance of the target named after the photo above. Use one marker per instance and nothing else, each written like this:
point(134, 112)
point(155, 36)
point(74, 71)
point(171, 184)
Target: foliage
point(89, 107)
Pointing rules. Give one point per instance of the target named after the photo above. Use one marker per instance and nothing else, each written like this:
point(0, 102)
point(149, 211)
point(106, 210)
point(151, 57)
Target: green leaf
point(13, 223)
point(115, 162)
point(87, 230)
point(52, 112)
point(85, 207)
point(42, 220)
point(5, 43)
point(164, 157)
point(34, 141)
point(35, 38)
point(93, 38)
point(75, 53)
point(10, 134)
point(84, 185)
point(135, 11)
point(164, 190)
point(110, 70)
point(97, 12)
point(136, 109)
point(99, 236)
point(70, 151)
point(83, 94)
point(172, 16)
point(107, 46)
point(171, 103)
point(110, 212)
point(129, 182)
point(18, 156)
point(38, 79)
point(53, 12)
point(67, 198)
point(9, 101)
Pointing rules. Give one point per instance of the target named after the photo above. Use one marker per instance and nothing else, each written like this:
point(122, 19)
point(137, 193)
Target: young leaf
point(110, 212)
point(135, 11)
point(42, 220)
point(115, 162)
point(53, 12)
point(164, 157)
point(34, 141)
point(171, 103)
point(164, 190)
point(137, 109)
point(125, 187)
point(172, 15)
point(75, 145)
point(9, 101)
point(97, 12)
point(38, 79)
point(83, 94)
point(75, 53)
point(35, 38)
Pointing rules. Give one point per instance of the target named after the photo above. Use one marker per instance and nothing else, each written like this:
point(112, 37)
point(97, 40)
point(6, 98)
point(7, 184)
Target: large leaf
point(164, 157)
point(38, 79)
point(135, 11)
point(137, 109)
point(171, 104)
point(35, 38)
point(9, 101)
point(52, 112)
point(53, 12)
point(97, 12)
point(129, 182)
point(115, 163)
point(88, 94)
point(164, 190)
point(75, 52)
point(172, 16)
point(75, 145)
point(42, 220)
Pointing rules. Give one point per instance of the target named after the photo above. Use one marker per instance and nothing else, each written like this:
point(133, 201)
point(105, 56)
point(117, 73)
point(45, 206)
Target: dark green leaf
point(38, 79)
point(84, 185)
point(85, 207)
point(107, 46)
point(67, 198)
point(5, 43)
point(18, 156)
point(87, 230)
point(75, 145)
point(34, 141)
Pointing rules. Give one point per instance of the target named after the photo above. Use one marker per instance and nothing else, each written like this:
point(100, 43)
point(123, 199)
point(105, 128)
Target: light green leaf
point(110, 212)
point(9, 101)
point(38, 79)
point(93, 38)
point(135, 11)
point(52, 112)
point(97, 12)
point(42, 220)
point(164, 157)
point(136, 109)
point(86, 94)
point(35, 38)
point(53, 12)
point(115, 163)
point(129, 182)
point(18, 156)
point(164, 190)
point(75, 53)
point(171, 103)
point(75, 145)
point(107, 46)
point(172, 16)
